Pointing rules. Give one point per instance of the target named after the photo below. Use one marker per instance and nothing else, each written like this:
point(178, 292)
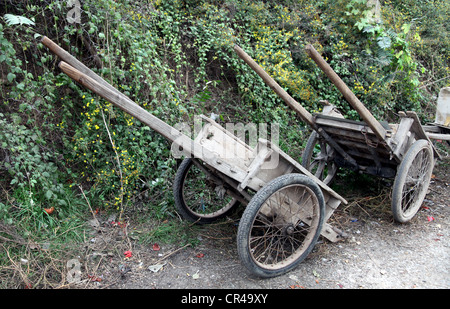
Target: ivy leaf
point(21, 86)
point(384, 42)
point(11, 76)
point(48, 194)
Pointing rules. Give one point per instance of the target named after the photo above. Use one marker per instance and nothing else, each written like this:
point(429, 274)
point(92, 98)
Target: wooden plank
point(304, 171)
point(444, 137)
point(343, 124)
point(340, 134)
point(400, 139)
point(420, 132)
point(255, 166)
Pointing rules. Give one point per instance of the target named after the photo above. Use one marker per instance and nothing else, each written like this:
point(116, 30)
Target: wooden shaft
point(189, 147)
point(87, 78)
point(72, 61)
point(363, 112)
point(290, 101)
point(121, 101)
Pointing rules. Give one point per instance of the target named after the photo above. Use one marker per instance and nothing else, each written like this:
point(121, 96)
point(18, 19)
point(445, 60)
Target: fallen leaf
point(49, 210)
point(155, 268)
point(95, 278)
point(316, 274)
point(293, 277)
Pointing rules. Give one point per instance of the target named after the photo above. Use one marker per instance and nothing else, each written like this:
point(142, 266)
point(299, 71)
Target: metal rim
point(202, 196)
point(320, 162)
point(416, 182)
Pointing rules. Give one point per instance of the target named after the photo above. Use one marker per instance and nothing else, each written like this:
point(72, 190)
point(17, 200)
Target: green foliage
point(17, 20)
point(175, 59)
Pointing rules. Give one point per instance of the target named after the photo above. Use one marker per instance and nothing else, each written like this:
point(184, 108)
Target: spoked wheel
point(412, 181)
point(199, 196)
point(280, 225)
point(318, 158)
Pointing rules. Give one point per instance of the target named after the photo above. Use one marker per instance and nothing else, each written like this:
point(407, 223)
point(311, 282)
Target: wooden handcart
point(287, 206)
point(402, 152)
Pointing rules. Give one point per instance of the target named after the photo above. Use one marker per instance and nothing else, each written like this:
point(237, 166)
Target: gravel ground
point(377, 254)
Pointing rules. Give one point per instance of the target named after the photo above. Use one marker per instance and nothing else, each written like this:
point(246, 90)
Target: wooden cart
point(287, 206)
point(401, 151)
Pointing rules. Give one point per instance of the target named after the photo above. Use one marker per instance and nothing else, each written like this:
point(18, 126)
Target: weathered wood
point(417, 128)
point(442, 136)
point(290, 101)
point(400, 139)
point(364, 113)
point(248, 171)
point(122, 102)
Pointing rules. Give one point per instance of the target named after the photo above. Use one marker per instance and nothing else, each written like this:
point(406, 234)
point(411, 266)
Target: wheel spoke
point(281, 237)
point(199, 195)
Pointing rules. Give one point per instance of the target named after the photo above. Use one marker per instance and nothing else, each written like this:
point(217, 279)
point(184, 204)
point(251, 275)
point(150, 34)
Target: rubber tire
point(397, 192)
point(251, 212)
point(180, 204)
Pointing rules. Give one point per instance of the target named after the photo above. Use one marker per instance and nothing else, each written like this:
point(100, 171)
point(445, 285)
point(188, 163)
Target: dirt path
point(377, 253)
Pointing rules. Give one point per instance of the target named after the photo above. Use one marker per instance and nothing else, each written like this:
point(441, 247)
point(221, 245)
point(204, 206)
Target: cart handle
point(300, 110)
point(363, 112)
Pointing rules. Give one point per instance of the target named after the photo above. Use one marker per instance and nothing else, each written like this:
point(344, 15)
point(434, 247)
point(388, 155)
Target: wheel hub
point(289, 230)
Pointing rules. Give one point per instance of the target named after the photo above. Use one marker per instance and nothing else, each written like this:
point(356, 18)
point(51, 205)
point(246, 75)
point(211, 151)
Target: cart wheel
point(280, 225)
point(412, 181)
point(319, 163)
point(198, 198)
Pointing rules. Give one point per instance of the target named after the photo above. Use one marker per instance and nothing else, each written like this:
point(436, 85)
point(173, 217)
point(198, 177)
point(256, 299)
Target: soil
point(377, 253)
